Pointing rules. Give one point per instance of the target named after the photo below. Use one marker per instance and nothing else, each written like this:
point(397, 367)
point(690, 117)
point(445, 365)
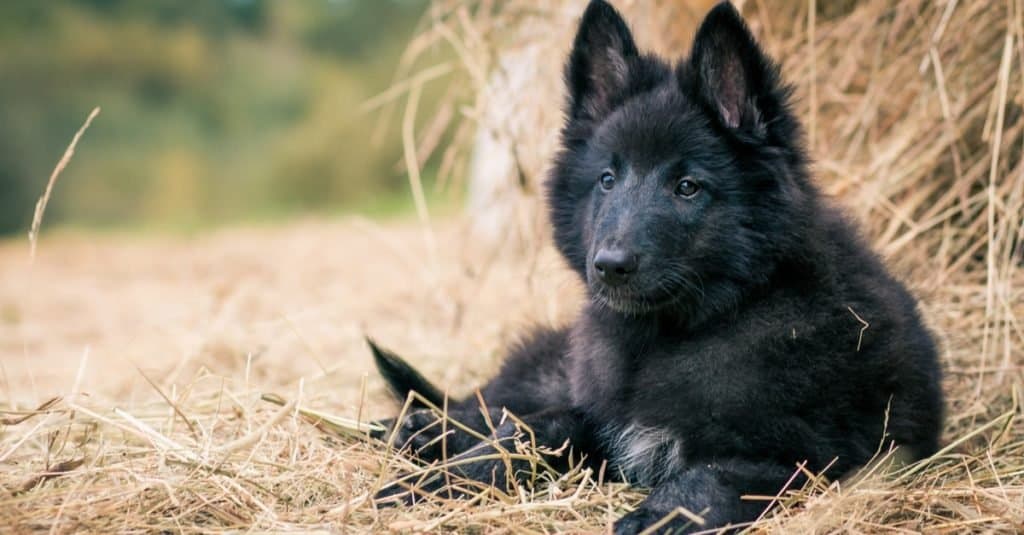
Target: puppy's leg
point(532, 379)
point(534, 375)
point(711, 491)
point(497, 461)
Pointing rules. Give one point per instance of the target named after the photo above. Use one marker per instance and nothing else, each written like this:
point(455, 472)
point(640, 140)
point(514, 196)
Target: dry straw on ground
point(133, 370)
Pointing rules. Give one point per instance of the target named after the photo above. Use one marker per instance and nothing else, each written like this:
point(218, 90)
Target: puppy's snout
point(615, 266)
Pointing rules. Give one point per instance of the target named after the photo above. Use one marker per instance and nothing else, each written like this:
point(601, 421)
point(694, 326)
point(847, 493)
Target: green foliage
point(212, 111)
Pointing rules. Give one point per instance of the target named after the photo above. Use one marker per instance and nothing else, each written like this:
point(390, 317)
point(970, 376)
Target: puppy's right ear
point(735, 80)
point(598, 69)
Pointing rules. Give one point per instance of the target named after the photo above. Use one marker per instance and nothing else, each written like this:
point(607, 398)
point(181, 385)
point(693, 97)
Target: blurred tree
point(212, 111)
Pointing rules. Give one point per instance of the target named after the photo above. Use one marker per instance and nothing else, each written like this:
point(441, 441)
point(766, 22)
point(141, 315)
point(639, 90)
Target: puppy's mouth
point(645, 295)
point(630, 301)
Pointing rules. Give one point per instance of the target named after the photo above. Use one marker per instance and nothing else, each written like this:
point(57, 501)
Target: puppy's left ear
point(730, 74)
point(599, 65)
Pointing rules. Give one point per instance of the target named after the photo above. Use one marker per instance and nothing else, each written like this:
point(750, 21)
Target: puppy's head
point(676, 185)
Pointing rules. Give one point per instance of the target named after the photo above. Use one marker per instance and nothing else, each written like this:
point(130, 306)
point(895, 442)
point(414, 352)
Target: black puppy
point(736, 327)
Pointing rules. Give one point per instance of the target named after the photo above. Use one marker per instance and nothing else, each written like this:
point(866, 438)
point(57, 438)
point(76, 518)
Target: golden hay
point(158, 350)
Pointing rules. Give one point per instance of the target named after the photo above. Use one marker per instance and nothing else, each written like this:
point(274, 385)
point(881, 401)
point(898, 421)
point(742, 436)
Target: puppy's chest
point(645, 455)
point(663, 384)
point(644, 450)
point(657, 409)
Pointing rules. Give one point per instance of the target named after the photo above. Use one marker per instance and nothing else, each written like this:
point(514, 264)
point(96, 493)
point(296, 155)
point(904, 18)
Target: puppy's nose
point(615, 265)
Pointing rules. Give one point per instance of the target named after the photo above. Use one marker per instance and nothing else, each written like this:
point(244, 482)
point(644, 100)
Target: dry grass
point(158, 350)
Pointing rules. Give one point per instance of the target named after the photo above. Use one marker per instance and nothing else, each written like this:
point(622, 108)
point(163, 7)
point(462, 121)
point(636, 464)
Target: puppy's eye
point(607, 181)
point(687, 188)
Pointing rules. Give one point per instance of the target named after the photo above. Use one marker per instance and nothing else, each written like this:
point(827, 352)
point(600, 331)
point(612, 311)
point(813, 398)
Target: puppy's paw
point(397, 493)
point(394, 495)
point(419, 434)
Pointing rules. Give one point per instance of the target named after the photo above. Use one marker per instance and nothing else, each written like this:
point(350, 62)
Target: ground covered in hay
point(140, 375)
point(213, 383)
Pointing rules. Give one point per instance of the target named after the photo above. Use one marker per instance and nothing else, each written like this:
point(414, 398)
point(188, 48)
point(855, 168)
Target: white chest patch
point(645, 455)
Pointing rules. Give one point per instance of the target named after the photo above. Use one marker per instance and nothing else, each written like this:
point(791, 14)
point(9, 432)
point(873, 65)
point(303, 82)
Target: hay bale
point(907, 123)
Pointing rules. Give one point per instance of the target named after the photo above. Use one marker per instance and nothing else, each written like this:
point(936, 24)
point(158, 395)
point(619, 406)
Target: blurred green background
point(213, 111)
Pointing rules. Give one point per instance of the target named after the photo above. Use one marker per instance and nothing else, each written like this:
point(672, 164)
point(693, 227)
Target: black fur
point(402, 378)
point(754, 330)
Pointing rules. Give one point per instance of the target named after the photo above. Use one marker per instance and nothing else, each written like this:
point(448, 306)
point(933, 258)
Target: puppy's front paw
point(419, 434)
point(393, 495)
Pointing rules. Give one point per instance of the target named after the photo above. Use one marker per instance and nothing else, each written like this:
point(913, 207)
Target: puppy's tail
point(403, 378)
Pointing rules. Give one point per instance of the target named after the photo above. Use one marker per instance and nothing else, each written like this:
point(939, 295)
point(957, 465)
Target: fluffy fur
point(731, 348)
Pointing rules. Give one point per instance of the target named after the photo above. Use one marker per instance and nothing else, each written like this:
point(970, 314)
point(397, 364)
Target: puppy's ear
point(599, 65)
point(730, 74)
